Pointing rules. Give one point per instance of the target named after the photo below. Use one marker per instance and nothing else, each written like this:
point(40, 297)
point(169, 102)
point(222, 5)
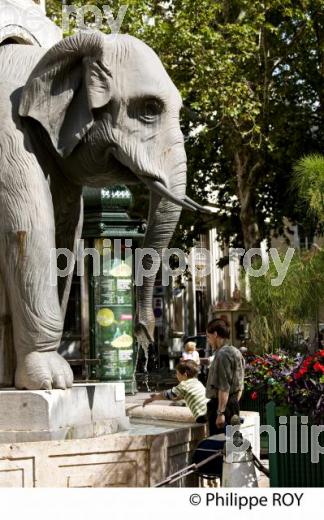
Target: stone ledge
point(137, 459)
point(83, 411)
point(160, 412)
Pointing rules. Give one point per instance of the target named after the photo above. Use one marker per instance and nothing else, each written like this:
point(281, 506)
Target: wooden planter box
point(293, 469)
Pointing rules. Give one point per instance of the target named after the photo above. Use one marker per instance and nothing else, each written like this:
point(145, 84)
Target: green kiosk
point(107, 303)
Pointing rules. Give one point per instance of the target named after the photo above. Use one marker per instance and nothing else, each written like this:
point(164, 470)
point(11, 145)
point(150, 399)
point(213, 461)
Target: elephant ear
point(65, 86)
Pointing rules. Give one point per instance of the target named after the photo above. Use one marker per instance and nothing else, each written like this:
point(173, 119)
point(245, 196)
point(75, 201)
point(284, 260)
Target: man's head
point(217, 333)
point(186, 370)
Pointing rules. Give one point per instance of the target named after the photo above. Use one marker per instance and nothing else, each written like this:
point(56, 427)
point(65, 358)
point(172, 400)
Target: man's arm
point(225, 376)
point(222, 402)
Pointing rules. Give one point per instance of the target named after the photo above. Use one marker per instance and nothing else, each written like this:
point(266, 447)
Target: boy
point(189, 389)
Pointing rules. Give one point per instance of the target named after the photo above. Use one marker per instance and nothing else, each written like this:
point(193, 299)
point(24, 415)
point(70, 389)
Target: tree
point(277, 311)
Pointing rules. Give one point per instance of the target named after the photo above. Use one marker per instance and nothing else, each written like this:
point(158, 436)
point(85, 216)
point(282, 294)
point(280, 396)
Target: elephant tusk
point(158, 188)
point(203, 209)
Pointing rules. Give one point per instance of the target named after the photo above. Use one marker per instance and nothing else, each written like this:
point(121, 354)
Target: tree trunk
point(246, 195)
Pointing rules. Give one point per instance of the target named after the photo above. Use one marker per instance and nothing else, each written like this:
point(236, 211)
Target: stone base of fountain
point(158, 441)
point(83, 411)
point(139, 457)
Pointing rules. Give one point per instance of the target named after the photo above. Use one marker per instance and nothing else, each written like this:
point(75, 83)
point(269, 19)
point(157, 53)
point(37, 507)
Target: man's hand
point(220, 421)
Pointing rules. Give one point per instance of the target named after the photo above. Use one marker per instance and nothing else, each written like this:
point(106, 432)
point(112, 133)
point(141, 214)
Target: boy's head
point(186, 370)
point(190, 346)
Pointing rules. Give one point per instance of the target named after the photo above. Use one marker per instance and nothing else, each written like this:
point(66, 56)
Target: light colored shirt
point(193, 393)
point(193, 356)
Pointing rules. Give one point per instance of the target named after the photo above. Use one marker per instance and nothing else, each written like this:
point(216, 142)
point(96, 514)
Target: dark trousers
point(201, 419)
point(232, 408)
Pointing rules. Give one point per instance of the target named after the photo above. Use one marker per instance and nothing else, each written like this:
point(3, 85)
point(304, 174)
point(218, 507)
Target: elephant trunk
point(163, 218)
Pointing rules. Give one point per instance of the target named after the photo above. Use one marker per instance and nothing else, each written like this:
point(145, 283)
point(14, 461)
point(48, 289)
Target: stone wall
point(127, 459)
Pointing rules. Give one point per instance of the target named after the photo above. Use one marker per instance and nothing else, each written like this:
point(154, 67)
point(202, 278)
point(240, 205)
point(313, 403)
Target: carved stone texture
point(17, 24)
point(24, 21)
point(89, 410)
point(135, 458)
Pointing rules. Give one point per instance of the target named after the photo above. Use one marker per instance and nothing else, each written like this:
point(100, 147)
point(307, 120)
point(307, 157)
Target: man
point(225, 378)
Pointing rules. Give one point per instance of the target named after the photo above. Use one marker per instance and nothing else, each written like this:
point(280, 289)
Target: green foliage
point(277, 310)
point(309, 181)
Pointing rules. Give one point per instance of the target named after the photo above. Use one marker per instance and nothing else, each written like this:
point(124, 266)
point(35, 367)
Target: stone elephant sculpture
point(92, 110)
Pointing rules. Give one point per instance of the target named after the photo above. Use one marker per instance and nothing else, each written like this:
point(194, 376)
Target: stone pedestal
point(81, 412)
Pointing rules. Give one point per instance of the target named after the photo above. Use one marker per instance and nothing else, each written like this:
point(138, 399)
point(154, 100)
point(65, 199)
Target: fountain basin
point(139, 457)
point(157, 441)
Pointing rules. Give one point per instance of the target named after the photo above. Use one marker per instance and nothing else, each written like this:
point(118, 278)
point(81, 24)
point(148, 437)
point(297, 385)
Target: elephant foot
point(43, 371)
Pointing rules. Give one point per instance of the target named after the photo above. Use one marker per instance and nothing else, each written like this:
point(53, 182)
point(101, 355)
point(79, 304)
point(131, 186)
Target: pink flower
point(254, 395)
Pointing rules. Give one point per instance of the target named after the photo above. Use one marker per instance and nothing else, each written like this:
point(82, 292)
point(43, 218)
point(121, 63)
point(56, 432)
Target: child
point(189, 388)
point(190, 352)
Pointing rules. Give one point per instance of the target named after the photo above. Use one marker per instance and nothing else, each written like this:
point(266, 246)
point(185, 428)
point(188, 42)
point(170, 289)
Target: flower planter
point(255, 405)
point(293, 469)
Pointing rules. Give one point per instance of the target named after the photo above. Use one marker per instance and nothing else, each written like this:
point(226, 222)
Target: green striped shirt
point(194, 394)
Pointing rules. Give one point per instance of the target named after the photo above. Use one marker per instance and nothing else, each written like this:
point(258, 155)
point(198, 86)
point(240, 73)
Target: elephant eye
point(147, 109)
point(152, 107)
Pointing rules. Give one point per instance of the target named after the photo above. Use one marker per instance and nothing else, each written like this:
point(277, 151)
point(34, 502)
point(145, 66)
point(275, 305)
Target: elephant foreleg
point(68, 204)
point(35, 309)
point(7, 354)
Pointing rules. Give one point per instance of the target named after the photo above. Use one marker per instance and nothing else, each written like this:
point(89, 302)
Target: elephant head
point(112, 115)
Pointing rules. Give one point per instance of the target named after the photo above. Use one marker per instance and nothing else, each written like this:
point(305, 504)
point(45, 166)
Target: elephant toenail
point(46, 385)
